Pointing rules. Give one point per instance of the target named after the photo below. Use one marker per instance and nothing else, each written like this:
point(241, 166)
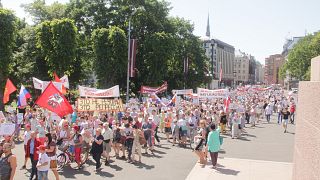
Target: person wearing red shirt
point(292, 111)
point(32, 153)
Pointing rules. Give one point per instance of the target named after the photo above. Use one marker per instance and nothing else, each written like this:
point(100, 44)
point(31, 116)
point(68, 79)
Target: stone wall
point(307, 138)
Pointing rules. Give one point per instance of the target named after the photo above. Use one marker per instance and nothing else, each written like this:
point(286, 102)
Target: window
point(239, 71)
point(244, 71)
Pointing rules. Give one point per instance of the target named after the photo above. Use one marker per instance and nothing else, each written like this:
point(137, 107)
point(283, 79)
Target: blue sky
point(257, 27)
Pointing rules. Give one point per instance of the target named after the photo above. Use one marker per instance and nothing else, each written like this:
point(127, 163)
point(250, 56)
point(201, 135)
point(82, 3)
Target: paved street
point(266, 142)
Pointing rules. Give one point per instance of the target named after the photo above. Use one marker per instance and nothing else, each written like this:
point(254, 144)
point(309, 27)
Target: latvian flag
point(132, 58)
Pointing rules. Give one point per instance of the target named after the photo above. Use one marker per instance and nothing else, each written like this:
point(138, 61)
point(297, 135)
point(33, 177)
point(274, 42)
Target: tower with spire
point(208, 27)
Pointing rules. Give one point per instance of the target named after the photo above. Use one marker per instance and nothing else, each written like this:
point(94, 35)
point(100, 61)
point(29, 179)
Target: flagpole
point(129, 32)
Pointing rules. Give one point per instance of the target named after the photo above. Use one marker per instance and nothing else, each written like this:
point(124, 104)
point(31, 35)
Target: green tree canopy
point(299, 58)
point(57, 41)
point(8, 28)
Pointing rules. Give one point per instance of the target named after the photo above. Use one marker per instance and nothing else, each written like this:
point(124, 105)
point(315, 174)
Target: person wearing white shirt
point(107, 134)
point(26, 137)
point(156, 121)
point(43, 163)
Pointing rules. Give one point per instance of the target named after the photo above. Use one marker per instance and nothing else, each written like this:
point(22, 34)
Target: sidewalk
point(242, 169)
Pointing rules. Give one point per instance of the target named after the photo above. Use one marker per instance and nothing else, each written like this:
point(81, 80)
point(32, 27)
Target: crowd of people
point(128, 133)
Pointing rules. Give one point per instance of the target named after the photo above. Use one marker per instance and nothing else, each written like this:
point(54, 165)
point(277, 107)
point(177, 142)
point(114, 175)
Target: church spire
point(208, 28)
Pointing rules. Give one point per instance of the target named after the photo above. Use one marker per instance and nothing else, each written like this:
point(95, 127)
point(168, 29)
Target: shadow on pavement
point(249, 135)
point(143, 165)
point(69, 172)
point(104, 174)
point(243, 139)
point(227, 171)
point(222, 151)
point(115, 167)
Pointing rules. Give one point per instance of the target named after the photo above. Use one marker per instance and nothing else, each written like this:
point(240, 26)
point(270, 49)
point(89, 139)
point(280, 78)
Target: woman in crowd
point(107, 134)
point(200, 142)
point(97, 148)
point(129, 140)
point(51, 149)
point(214, 144)
point(26, 137)
point(137, 135)
point(78, 142)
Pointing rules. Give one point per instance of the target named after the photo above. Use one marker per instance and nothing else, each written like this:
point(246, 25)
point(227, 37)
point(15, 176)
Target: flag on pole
point(9, 88)
point(37, 83)
point(132, 58)
point(53, 100)
point(186, 65)
point(220, 72)
point(57, 79)
point(64, 79)
point(23, 96)
point(227, 103)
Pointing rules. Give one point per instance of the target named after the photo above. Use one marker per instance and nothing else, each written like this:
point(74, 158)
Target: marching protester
point(8, 163)
point(107, 134)
point(214, 144)
point(43, 163)
point(51, 149)
point(33, 154)
point(97, 148)
point(26, 137)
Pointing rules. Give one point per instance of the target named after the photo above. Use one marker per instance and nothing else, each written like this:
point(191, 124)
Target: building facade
point(220, 53)
point(241, 68)
point(272, 67)
point(259, 73)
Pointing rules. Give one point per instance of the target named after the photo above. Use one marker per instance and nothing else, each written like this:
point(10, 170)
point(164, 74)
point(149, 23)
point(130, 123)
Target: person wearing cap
point(43, 164)
point(77, 143)
point(32, 152)
point(26, 137)
point(8, 163)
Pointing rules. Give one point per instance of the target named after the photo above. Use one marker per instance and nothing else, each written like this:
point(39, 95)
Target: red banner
point(156, 90)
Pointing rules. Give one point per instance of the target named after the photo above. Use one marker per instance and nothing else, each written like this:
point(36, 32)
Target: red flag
point(227, 103)
point(9, 88)
point(53, 100)
point(132, 57)
point(57, 79)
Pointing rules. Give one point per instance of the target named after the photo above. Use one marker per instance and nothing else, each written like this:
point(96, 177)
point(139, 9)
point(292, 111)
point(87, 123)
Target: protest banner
point(2, 117)
point(20, 118)
point(182, 92)
point(156, 90)
point(209, 94)
point(93, 92)
point(90, 104)
point(7, 129)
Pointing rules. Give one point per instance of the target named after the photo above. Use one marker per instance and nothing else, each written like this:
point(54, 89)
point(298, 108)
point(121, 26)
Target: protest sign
point(182, 92)
point(156, 90)
point(93, 92)
point(217, 93)
point(7, 129)
point(90, 104)
point(2, 117)
point(20, 118)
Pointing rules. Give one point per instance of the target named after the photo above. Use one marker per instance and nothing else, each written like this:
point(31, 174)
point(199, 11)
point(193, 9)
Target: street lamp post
point(129, 47)
point(128, 80)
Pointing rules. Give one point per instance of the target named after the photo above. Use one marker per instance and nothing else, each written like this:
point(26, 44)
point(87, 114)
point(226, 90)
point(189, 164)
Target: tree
point(110, 64)
point(42, 12)
point(7, 37)
point(57, 41)
point(299, 58)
